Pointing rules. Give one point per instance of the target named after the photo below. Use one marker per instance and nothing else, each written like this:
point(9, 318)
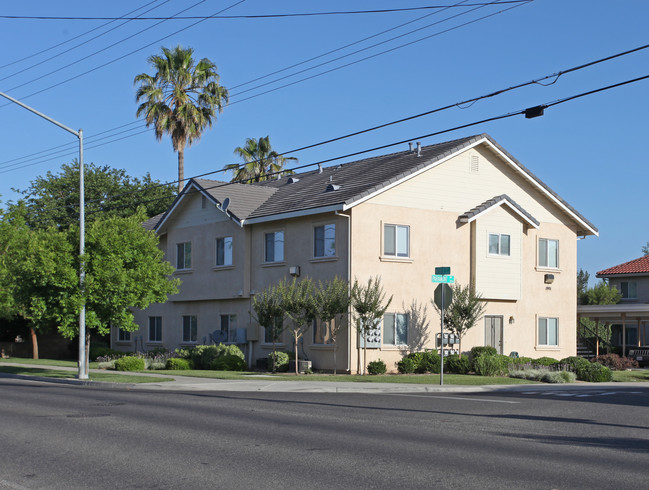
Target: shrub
point(279, 360)
point(574, 363)
point(488, 365)
point(178, 364)
point(431, 362)
point(229, 362)
point(105, 352)
point(480, 350)
point(129, 363)
point(545, 361)
point(456, 364)
point(615, 362)
point(558, 377)
point(377, 367)
point(595, 373)
point(406, 365)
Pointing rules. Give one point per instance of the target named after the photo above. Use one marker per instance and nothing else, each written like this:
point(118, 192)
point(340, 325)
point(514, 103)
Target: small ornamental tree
point(463, 313)
point(331, 302)
point(269, 313)
point(299, 305)
point(368, 305)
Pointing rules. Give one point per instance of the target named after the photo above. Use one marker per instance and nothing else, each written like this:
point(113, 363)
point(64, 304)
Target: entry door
point(493, 332)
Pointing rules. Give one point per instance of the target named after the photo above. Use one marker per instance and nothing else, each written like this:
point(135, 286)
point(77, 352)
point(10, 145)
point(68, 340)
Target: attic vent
point(292, 180)
point(332, 187)
point(203, 202)
point(475, 163)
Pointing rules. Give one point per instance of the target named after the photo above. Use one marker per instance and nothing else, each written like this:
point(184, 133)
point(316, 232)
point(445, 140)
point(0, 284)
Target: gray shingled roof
point(495, 201)
point(357, 180)
point(152, 222)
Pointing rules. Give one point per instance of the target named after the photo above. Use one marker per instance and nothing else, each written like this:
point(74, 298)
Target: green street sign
point(443, 271)
point(443, 278)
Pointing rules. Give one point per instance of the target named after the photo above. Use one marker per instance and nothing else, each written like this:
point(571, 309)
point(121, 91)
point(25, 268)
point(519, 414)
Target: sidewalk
point(266, 384)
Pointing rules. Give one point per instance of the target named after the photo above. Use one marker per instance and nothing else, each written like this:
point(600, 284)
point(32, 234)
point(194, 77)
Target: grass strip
point(106, 377)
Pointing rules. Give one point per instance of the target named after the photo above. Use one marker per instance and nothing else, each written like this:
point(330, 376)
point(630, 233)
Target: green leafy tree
point(261, 162)
point(600, 294)
point(645, 249)
point(53, 200)
point(466, 308)
point(299, 305)
point(582, 285)
point(124, 269)
point(368, 305)
point(37, 275)
point(269, 313)
point(331, 303)
point(181, 99)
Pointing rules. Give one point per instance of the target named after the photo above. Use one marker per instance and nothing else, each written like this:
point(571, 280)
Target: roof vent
point(319, 168)
point(332, 187)
point(292, 180)
point(418, 148)
point(410, 147)
point(475, 164)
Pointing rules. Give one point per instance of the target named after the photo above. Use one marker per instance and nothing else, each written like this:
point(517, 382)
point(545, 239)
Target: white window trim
point(396, 257)
point(539, 346)
point(499, 255)
point(396, 344)
point(538, 251)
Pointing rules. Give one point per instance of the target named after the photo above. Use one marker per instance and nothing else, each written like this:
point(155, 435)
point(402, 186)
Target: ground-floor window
point(229, 327)
point(190, 328)
point(548, 331)
point(272, 335)
point(322, 332)
point(395, 329)
point(123, 336)
point(155, 329)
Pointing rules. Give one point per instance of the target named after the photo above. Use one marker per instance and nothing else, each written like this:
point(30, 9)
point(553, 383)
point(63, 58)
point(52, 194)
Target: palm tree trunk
point(181, 168)
point(32, 332)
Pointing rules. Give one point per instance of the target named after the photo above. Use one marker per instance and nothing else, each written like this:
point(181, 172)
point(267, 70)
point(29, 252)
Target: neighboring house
point(467, 204)
point(630, 317)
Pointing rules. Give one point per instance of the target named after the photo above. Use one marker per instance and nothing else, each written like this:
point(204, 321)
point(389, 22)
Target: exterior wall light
point(548, 278)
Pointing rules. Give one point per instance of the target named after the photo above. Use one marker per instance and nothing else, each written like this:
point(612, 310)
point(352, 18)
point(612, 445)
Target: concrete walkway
point(267, 383)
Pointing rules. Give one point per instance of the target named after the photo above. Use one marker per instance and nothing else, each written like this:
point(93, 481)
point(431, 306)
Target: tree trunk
point(181, 168)
point(364, 353)
point(32, 332)
point(87, 352)
point(334, 355)
point(296, 370)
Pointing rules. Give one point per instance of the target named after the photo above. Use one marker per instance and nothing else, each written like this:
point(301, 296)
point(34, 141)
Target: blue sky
point(590, 150)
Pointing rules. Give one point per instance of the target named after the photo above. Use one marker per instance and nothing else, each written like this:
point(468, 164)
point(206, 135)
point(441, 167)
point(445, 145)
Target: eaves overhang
point(292, 214)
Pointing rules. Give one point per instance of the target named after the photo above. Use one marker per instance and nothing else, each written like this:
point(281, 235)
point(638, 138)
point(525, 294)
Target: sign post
point(442, 297)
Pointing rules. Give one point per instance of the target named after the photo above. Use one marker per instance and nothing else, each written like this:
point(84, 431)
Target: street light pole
point(83, 369)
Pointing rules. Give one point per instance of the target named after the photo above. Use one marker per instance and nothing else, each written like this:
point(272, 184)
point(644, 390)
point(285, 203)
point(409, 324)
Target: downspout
point(250, 289)
point(349, 282)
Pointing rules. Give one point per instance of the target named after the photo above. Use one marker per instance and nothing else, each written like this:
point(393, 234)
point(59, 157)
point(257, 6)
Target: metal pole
point(441, 342)
point(83, 369)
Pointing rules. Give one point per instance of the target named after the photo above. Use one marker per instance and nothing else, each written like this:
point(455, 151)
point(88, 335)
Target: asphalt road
point(69, 437)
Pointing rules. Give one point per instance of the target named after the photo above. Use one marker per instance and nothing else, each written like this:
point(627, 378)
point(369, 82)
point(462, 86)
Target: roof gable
point(503, 201)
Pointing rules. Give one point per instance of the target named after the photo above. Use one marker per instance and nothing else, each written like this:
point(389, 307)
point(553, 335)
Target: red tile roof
point(636, 266)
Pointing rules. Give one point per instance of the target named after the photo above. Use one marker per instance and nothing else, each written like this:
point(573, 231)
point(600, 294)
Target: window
point(190, 328)
point(324, 241)
point(184, 255)
point(548, 331)
point(628, 289)
point(229, 327)
point(322, 333)
point(268, 332)
point(224, 251)
point(395, 329)
point(396, 240)
point(274, 247)
point(155, 329)
point(548, 253)
point(123, 336)
point(499, 244)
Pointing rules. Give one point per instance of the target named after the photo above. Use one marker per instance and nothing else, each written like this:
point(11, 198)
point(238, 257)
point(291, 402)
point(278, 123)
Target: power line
point(257, 16)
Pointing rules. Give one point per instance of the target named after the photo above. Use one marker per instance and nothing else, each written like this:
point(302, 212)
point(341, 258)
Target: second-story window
point(184, 255)
point(224, 251)
point(324, 241)
point(628, 289)
point(499, 244)
point(274, 247)
point(396, 240)
point(548, 253)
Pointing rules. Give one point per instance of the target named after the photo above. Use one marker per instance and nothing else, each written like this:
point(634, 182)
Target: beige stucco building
point(466, 204)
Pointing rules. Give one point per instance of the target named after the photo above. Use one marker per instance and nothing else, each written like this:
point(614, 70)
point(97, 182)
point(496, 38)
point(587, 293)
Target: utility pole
point(83, 368)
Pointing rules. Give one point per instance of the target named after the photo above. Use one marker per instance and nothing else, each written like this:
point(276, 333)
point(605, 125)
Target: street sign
point(443, 278)
point(444, 271)
point(447, 296)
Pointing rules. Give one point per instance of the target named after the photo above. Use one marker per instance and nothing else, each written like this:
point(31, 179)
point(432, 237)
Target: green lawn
point(57, 373)
point(631, 376)
point(46, 362)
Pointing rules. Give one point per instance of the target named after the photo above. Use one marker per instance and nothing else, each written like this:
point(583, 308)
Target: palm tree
point(181, 99)
point(261, 162)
